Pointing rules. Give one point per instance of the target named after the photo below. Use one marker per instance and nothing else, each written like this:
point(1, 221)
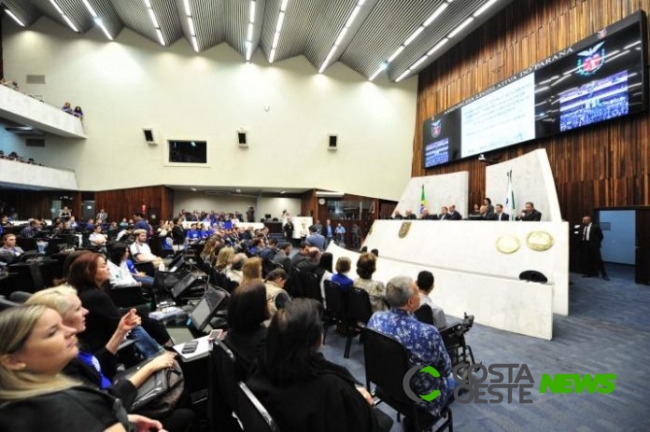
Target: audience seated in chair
point(343, 267)
point(35, 346)
point(247, 312)
point(423, 341)
point(141, 251)
point(97, 369)
point(366, 266)
point(425, 283)
point(9, 251)
point(301, 389)
point(282, 255)
point(276, 296)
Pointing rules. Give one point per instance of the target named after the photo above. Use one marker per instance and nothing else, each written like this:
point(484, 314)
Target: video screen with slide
point(600, 78)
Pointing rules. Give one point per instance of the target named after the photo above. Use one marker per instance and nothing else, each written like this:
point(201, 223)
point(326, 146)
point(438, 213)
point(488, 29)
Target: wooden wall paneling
point(603, 165)
point(123, 203)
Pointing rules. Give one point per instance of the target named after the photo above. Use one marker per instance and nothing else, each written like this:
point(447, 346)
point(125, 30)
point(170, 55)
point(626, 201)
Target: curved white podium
point(474, 274)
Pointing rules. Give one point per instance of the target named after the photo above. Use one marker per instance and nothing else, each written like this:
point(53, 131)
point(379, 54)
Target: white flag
point(510, 198)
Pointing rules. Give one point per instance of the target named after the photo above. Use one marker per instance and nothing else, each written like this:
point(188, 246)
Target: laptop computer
point(183, 285)
point(206, 308)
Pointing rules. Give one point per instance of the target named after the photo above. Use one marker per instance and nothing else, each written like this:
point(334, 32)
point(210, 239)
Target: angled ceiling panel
point(25, 11)
point(330, 19)
point(168, 18)
point(451, 18)
point(385, 29)
point(209, 19)
point(109, 17)
point(310, 27)
point(236, 19)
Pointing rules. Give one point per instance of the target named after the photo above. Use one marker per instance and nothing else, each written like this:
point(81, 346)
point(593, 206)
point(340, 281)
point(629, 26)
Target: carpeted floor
point(607, 331)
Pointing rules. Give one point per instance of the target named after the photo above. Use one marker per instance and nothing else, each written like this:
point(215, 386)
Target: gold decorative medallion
point(539, 241)
point(404, 229)
point(508, 244)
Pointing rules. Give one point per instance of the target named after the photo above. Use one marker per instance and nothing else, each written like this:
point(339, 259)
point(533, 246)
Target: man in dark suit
point(591, 237)
point(530, 214)
point(453, 214)
point(444, 214)
point(499, 214)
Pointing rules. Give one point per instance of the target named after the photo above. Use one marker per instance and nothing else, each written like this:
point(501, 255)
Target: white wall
point(532, 180)
point(275, 207)
point(439, 190)
point(132, 83)
point(10, 142)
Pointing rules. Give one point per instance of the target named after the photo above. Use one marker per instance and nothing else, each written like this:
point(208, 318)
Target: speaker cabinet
point(241, 139)
point(148, 136)
point(333, 142)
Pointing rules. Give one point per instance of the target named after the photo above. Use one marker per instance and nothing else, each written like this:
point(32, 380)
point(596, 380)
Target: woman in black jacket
point(300, 388)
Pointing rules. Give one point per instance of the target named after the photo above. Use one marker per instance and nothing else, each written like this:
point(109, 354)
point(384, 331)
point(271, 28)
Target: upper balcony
point(27, 110)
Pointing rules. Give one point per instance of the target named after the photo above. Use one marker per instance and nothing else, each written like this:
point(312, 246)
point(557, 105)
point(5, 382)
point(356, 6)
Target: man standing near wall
point(591, 237)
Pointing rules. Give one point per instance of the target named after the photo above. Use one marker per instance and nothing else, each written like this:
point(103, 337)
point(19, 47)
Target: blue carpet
point(607, 331)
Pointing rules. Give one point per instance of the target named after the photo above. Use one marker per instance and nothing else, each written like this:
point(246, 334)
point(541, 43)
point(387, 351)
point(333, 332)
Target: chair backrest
point(386, 362)
point(295, 288)
point(311, 286)
point(6, 304)
point(19, 296)
point(359, 308)
point(424, 314)
point(334, 297)
point(252, 414)
point(222, 387)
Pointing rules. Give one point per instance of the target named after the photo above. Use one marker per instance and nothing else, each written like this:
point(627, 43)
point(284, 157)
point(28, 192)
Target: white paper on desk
point(205, 345)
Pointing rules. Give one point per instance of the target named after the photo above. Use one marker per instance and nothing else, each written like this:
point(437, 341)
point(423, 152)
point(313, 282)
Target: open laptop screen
point(206, 308)
point(183, 285)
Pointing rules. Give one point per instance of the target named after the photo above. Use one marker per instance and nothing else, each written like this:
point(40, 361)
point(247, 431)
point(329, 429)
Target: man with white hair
point(422, 341)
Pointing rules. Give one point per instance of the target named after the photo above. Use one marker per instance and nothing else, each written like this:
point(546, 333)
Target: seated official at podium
point(530, 214)
point(499, 214)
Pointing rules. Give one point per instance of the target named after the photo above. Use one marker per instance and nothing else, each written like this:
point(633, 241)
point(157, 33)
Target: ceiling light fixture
point(14, 17)
point(442, 42)
point(190, 25)
point(341, 35)
point(250, 30)
point(65, 17)
point(484, 7)
point(278, 29)
point(154, 21)
point(436, 13)
point(97, 19)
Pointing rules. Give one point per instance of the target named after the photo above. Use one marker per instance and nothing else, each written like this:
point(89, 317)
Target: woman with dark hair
point(325, 269)
point(87, 275)
point(276, 296)
point(300, 388)
point(35, 346)
point(119, 274)
point(247, 311)
point(366, 266)
point(490, 208)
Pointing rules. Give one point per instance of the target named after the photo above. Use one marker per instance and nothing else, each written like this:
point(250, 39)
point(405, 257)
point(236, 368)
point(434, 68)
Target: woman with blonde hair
point(251, 270)
point(98, 369)
point(35, 346)
point(224, 259)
